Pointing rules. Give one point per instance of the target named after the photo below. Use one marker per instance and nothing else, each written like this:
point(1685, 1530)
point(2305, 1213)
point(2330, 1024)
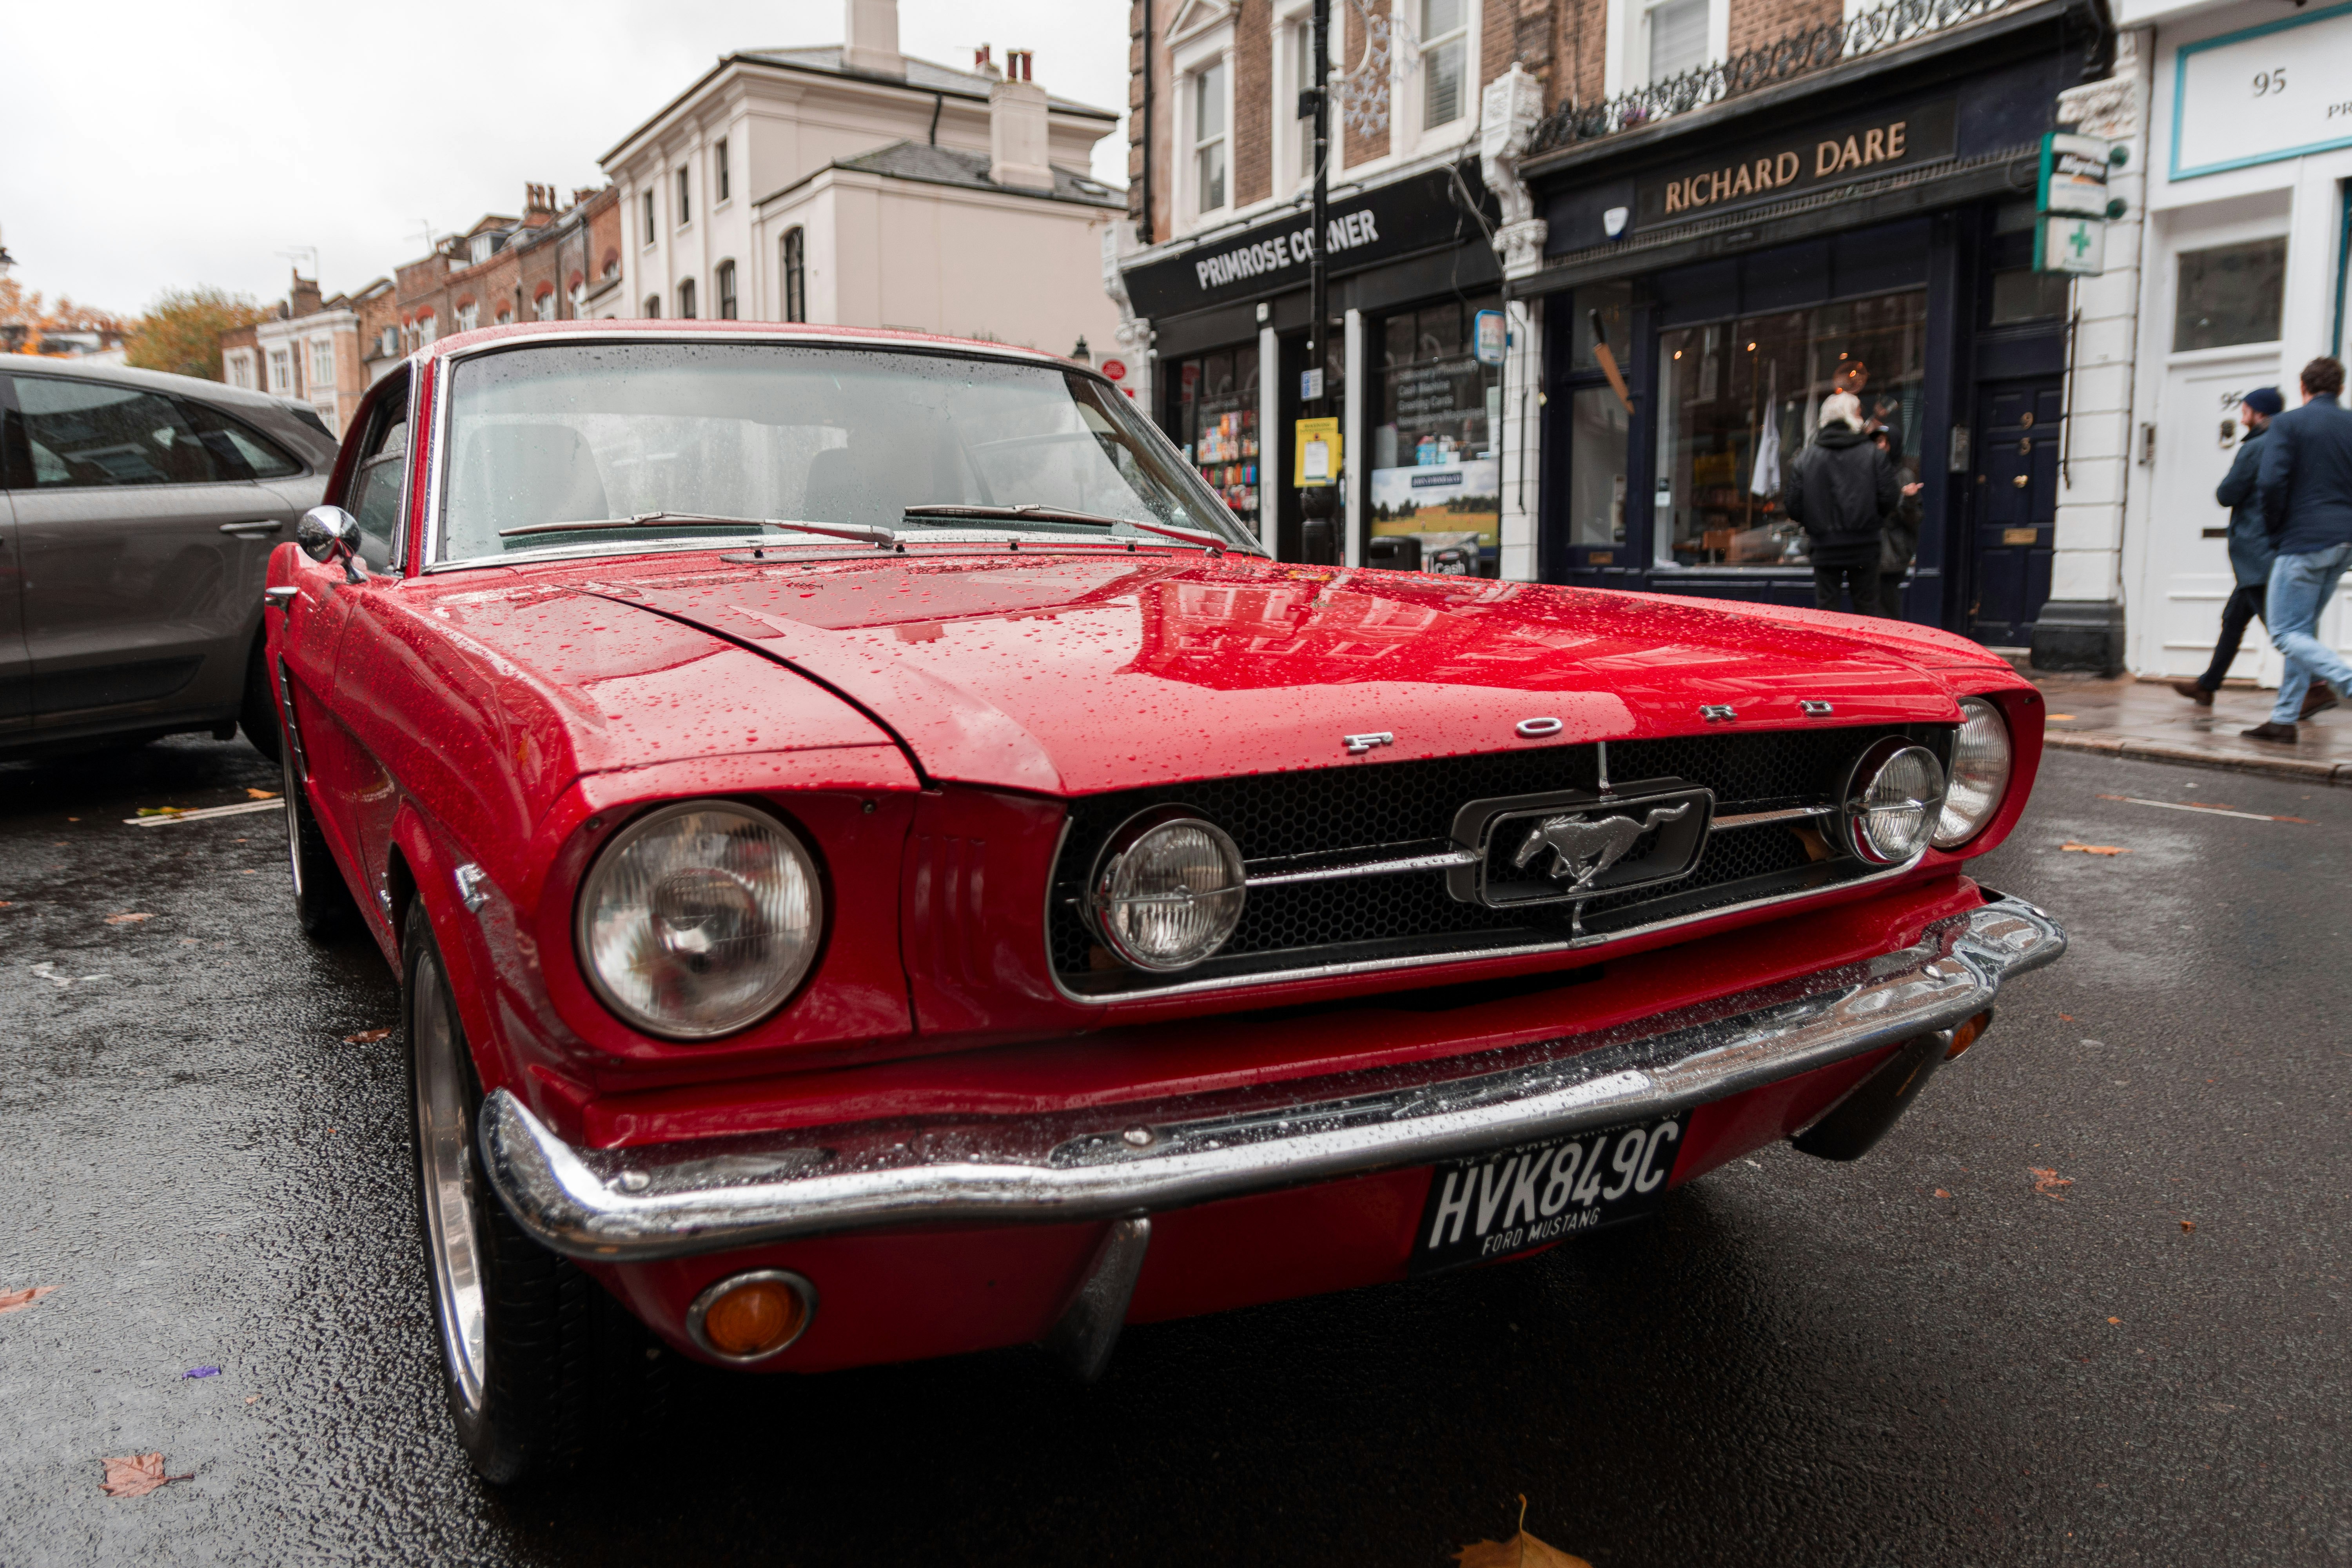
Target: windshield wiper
point(1032, 512)
point(865, 533)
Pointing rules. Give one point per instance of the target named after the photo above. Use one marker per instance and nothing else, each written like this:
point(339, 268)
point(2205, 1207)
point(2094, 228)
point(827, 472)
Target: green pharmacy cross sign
point(2072, 205)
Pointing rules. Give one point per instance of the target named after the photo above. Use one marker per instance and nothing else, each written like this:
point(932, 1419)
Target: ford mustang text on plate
point(879, 865)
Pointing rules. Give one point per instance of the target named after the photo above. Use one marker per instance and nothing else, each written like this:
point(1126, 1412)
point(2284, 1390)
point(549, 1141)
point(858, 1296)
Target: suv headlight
point(698, 920)
point(1981, 759)
point(1891, 801)
point(1167, 891)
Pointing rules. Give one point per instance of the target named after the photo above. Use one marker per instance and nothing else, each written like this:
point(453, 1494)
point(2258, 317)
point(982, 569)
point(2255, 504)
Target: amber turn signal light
point(1965, 1034)
point(750, 1317)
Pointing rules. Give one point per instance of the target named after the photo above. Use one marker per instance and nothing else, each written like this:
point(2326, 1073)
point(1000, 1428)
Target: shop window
point(1677, 37)
point(1209, 138)
point(1597, 425)
point(1738, 401)
point(796, 246)
point(2021, 294)
point(1445, 59)
point(2230, 294)
point(1213, 410)
point(1434, 471)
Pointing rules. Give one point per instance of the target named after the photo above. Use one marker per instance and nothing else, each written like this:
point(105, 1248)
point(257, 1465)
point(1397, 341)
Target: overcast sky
point(150, 147)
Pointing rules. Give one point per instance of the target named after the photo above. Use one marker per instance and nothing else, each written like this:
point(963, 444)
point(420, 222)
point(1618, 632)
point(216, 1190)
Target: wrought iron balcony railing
point(1798, 54)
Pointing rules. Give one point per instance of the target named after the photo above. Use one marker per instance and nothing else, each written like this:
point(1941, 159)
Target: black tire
point(541, 1362)
point(322, 900)
point(256, 713)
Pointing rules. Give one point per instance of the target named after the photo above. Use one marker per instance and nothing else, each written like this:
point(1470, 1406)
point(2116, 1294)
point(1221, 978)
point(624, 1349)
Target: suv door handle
point(253, 528)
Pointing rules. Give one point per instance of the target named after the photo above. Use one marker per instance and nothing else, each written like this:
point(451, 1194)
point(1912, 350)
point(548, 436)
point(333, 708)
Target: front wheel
point(535, 1358)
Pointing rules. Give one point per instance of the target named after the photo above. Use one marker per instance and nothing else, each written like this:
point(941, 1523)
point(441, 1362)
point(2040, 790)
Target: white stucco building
point(2241, 282)
point(854, 185)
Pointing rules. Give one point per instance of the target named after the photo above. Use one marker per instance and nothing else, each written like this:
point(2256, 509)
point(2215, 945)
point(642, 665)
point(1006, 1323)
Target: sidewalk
point(2123, 717)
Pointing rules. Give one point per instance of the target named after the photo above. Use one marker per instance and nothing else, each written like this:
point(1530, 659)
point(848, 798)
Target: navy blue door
point(2014, 508)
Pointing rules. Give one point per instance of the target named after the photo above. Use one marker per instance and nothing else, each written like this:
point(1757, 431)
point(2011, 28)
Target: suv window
point(89, 434)
point(243, 452)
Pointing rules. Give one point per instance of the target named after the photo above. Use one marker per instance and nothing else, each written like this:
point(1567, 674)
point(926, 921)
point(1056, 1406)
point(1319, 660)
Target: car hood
point(1070, 674)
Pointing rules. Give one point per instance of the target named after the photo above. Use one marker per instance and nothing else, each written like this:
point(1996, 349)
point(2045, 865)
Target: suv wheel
point(323, 904)
point(256, 712)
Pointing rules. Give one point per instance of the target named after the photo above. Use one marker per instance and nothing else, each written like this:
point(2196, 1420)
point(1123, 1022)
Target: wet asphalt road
point(1798, 1363)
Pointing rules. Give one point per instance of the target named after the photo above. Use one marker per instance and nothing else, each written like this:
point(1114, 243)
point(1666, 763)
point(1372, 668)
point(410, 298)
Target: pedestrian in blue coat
point(2305, 488)
point(2251, 551)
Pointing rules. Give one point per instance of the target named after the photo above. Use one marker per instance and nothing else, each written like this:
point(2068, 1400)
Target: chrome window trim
point(437, 473)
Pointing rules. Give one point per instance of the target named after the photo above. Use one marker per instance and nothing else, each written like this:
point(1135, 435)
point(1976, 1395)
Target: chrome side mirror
point(329, 534)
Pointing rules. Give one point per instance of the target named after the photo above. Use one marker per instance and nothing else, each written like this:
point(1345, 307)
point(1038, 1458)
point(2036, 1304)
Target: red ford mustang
point(880, 865)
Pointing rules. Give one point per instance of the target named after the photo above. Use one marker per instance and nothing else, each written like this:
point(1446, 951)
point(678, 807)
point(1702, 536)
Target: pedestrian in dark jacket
point(1845, 491)
point(2305, 487)
point(2251, 551)
point(1902, 538)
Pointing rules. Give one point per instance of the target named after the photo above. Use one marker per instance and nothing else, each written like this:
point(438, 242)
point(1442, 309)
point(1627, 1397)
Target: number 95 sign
point(2277, 91)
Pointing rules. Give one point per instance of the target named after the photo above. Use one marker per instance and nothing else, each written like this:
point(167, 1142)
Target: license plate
point(1496, 1204)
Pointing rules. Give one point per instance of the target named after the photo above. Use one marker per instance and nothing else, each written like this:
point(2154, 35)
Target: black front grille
point(1403, 807)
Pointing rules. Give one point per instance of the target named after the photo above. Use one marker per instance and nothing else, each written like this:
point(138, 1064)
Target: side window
point(240, 452)
point(89, 434)
point(377, 485)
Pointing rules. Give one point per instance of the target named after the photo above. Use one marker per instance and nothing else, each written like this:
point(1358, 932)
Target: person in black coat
point(2251, 551)
point(1902, 538)
point(1845, 491)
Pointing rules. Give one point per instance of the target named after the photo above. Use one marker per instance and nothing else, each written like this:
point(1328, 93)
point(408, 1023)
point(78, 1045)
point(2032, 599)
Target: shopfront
point(1863, 227)
point(1410, 268)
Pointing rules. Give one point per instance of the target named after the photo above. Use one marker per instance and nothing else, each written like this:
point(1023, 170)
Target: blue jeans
point(2299, 587)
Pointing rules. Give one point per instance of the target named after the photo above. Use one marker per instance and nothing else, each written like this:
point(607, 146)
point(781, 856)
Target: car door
point(136, 519)
point(16, 665)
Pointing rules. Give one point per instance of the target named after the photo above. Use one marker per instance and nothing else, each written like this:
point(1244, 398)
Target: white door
point(2188, 555)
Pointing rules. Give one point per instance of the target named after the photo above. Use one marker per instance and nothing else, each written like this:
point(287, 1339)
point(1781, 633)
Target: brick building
point(1694, 219)
point(308, 348)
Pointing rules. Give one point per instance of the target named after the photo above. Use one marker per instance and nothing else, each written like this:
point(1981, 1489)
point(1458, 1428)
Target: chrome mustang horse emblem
point(1583, 848)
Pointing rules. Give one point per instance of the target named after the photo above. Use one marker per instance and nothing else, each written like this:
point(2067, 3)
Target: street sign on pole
point(2066, 244)
point(2073, 175)
point(1488, 337)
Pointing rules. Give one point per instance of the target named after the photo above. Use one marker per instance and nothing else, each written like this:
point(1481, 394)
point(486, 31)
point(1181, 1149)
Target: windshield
point(663, 443)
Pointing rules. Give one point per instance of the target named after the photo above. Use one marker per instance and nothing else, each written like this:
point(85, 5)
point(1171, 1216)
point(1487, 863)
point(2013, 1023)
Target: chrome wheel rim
point(445, 1153)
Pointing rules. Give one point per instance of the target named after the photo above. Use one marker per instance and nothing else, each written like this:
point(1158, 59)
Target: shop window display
point(1216, 421)
point(1434, 473)
point(1741, 399)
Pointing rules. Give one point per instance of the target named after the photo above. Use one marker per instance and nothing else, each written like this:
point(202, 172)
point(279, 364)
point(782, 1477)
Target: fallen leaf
point(2115, 1319)
point(2095, 848)
point(260, 794)
point(367, 1036)
point(251, 1397)
point(17, 1300)
point(137, 1475)
point(2065, 1017)
point(127, 920)
point(1942, 1193)
point(2188, 1225)
point(161, 810)
point(200, 1372)
point(2062, 715)
point(1521, 1551)
point(2047, 1182)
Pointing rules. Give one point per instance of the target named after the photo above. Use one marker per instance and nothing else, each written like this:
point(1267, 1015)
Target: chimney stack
point(1016, 127)
point(870, 38)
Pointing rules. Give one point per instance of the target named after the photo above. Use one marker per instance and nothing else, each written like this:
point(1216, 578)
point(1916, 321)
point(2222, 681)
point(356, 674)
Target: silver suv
point(137, 515)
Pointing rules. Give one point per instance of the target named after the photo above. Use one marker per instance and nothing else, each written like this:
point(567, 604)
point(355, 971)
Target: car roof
point(154, 380)
point(802, 332)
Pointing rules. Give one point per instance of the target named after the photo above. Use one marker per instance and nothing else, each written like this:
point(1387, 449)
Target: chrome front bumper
point(673, 1200)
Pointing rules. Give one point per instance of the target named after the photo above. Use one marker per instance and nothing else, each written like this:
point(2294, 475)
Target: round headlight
point(698, 920)
point(1981, 756)
point(1167, 891)
point(1892, 802)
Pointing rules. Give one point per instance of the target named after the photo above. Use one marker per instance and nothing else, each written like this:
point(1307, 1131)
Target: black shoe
point(2318, 699)
point(2195, 691)
point(2270, 730)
